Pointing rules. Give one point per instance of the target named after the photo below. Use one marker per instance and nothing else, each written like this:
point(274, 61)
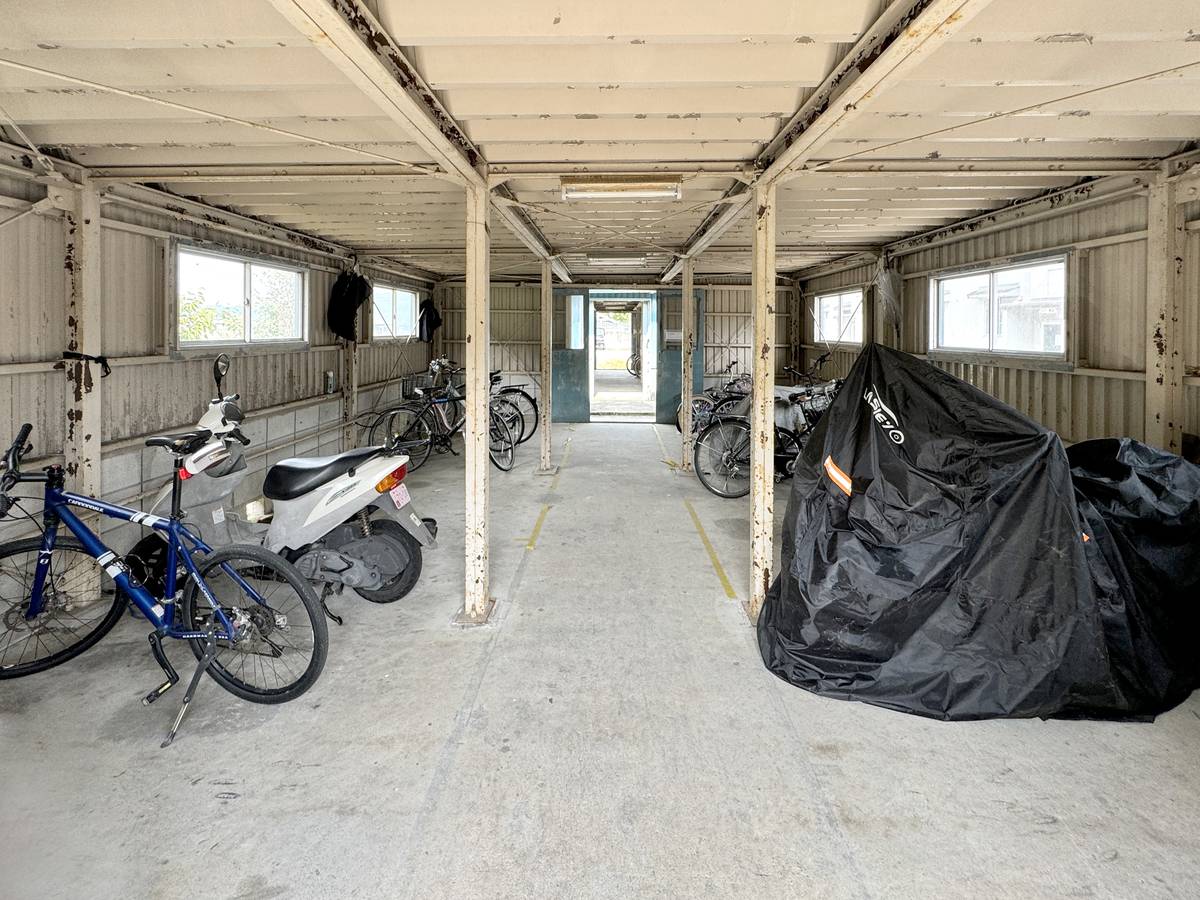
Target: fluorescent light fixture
point(621, 187)
point(616, 259)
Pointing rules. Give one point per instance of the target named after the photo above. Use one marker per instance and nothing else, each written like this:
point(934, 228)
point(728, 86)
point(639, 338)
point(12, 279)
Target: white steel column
point(762, 410)
point(1165, 247)
point(350, 389)
point(478, 602)
point(689, 348)
point(545, 398)
point(84, 284)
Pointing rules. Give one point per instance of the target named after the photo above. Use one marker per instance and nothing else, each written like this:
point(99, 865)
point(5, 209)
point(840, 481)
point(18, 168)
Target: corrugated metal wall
point(153, 388)
point(1102, 234)
point(516, 326)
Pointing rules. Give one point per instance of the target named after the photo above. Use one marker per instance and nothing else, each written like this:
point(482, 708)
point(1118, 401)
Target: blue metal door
point(570, 399)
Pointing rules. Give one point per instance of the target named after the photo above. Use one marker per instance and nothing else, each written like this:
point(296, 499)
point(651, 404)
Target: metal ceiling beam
point(943, 168)
point(899, 39)
point(352, 39)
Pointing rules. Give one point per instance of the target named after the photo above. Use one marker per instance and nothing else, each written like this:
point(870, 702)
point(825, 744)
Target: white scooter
point(344, 520)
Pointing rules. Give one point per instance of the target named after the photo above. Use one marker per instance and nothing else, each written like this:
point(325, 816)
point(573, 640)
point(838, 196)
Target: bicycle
point(715, 401)
point(56, 605)
point(433, 419)
point(721, 455)
point(633, 365)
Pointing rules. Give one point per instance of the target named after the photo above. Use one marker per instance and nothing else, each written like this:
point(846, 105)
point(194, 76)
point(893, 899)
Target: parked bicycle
point(633, 365)
point(721, 455)
point(436, 414)
point(252, 621)
point(715, 401)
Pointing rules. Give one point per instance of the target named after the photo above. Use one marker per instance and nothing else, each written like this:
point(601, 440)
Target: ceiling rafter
point(902, 36)
point(352, 39)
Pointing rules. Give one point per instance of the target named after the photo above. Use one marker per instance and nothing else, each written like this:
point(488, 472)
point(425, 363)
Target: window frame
point(396, 289)
point(839, 293)
point(991, 269)
point(247, 260)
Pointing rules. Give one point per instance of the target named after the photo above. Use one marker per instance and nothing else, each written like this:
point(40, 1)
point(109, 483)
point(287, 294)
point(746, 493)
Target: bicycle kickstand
point(165, 665)
point(210, 652)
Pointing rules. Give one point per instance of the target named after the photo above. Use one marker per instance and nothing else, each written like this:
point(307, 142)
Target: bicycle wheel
point(702, 410)
point(283, 640)
point(726, 407)
point(512, 416)
point(787, 451)
point(722, 458)
point(528, 407)
point(377, 431)
point(501, 446)
point(408, 431)
point(81, 604)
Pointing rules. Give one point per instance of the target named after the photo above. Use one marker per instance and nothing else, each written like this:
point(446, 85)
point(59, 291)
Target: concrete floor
point(612, 734)
point(619, 393)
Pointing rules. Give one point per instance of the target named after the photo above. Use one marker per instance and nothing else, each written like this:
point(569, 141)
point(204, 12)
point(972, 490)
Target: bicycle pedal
point(157, 692)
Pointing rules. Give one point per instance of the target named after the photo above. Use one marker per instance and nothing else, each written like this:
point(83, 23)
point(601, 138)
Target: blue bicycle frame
point(181, 544)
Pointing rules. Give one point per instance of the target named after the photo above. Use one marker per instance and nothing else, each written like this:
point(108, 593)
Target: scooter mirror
point(220, 370)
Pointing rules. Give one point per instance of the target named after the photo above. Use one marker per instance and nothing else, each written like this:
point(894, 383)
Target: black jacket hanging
point(429, 321)
point(349, 292)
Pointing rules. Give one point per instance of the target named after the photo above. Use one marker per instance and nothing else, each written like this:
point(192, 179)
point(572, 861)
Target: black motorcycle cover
point(935, 560)
point(1142, 508)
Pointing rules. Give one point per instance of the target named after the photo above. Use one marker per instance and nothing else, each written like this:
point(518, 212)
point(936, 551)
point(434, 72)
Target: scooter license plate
point(400, 496)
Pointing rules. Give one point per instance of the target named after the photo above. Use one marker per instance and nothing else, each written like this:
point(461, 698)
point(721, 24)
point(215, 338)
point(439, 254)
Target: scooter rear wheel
point(406, 580)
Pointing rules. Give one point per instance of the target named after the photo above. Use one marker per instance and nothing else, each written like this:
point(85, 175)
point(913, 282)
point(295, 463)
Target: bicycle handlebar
point(12, 459)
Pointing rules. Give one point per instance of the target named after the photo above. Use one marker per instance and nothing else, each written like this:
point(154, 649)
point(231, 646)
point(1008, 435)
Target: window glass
point(406, 313)
point(1015, 309)
point(575, 332)
point(1030, 309)
point(211, 298)
point(395, 313)
point(228, 300)
point(963, 312)
point(838, 317)
point(276, 304)
point(383, 300)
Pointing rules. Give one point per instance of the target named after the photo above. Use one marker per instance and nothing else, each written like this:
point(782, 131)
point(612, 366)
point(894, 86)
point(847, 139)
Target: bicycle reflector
point(392, 479)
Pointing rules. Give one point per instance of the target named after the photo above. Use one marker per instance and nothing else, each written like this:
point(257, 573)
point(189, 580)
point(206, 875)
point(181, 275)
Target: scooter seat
point(292, 478)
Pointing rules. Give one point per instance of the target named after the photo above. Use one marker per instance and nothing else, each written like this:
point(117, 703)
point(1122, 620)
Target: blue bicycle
point(252, 620)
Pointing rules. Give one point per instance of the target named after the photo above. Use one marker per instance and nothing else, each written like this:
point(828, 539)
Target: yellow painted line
point(537, 528)
point(712, 553)
point(562, 464)
point(665, 456)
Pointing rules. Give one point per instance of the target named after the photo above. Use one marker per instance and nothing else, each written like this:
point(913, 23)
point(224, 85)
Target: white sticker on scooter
point(218, 515)
point(400, 496)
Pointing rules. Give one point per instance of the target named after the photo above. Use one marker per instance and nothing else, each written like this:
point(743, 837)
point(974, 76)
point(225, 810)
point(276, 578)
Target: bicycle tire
point(512, 416)
point(787, 451)
point(529, 409)
point(11, 616)
point(411, 435)
point(376, 437)
point(502, 449)
point(264, 567)
point(713, 467)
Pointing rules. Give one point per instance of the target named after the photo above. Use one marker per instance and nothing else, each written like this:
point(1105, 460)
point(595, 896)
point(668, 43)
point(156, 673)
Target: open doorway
point(623, 354)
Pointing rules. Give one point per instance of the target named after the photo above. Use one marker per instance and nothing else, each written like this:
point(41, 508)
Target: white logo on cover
point(888, 420)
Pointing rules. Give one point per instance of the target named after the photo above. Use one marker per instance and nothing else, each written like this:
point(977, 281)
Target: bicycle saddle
point(179, 444)
point(495, 377)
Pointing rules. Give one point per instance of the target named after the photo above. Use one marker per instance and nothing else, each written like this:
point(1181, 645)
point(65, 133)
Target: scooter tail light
point(392, 479)
point(184, 474)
